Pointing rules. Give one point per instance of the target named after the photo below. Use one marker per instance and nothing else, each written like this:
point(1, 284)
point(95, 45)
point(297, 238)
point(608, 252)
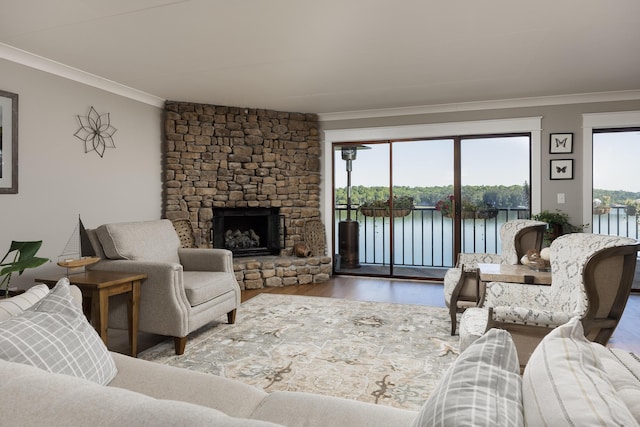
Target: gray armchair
point(186, 288)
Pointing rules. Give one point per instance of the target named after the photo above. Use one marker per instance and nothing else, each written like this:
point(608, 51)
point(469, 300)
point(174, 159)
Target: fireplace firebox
point(248, 231)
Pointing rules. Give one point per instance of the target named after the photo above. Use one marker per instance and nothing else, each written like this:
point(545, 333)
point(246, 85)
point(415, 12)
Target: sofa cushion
point(72, 402)
point(54, 335)
point(140, 241)
point(623, 370)
point(482, 387)
point(565, 383)
point(13, 306)
point(173, 383)
point(313, 410)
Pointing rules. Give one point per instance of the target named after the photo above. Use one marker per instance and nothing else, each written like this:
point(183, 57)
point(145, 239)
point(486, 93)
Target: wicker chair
point(462, 286)
point(592, 277)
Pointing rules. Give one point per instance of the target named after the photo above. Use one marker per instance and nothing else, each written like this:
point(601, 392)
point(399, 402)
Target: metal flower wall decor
point(96, 132)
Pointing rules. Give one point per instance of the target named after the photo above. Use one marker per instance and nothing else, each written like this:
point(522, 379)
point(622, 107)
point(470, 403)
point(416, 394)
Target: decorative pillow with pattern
point(482, 387)
point(565, 383)
point(54, 335)
point(13, 306)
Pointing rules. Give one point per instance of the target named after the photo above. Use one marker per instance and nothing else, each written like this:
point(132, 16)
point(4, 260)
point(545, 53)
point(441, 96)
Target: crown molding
point(37, 62)
point(582, 98)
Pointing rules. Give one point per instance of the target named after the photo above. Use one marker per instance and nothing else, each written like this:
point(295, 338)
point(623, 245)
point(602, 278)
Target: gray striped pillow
point(566, 383)
point(54, 335)
point(481, 388)
point(13, 306)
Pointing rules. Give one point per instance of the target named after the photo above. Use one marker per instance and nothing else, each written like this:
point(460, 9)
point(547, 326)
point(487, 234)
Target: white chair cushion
point(472, 325)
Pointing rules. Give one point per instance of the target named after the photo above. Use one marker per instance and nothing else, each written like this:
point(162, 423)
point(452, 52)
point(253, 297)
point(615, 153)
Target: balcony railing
point(616, 222)
point(424, 237)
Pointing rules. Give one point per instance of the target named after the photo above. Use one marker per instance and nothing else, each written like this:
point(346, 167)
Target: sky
point(430, 163)
point(615, 161)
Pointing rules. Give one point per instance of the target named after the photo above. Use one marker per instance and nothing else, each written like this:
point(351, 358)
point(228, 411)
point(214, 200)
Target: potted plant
point(23, 258)
point(558, 225)
point(446, 206)
point(402, 206)
point(632, 207)
point(601, 207)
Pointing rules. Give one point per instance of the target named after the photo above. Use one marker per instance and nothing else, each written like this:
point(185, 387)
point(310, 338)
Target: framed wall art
point(561, 143)
point(8, 143)
point(562, 169)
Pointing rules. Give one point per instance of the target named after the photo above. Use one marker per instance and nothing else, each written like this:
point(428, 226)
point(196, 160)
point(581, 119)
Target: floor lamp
point(349, 230)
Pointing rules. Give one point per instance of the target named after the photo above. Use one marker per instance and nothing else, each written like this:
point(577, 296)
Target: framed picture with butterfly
point(561, 143)
point(562, 169)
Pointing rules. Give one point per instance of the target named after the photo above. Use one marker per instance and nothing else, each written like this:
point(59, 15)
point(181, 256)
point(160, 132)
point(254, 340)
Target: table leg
point(100, 313)
point(134, 316)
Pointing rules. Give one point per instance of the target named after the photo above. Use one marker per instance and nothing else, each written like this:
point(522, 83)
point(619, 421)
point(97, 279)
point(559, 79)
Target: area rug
point(383, 353)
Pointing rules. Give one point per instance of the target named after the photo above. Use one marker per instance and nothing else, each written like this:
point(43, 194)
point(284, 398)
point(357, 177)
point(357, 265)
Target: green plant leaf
point(22, 265)
point(23, 258)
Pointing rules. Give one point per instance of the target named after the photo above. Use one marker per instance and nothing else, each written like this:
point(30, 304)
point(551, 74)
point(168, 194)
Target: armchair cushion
point(130, 240)
point(203, 286)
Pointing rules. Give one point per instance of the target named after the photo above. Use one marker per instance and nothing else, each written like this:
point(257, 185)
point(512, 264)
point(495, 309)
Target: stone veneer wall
point(228, 157)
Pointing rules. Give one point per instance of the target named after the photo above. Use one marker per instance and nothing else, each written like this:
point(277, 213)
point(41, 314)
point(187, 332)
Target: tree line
point(500, 196)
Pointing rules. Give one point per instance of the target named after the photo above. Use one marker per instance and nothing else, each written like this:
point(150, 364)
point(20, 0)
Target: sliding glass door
point(406, 208)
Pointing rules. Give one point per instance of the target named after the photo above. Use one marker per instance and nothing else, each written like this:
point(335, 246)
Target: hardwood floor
point(626, 336)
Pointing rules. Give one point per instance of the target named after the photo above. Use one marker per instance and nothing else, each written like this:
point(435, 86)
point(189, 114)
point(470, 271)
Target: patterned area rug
point(389, 354)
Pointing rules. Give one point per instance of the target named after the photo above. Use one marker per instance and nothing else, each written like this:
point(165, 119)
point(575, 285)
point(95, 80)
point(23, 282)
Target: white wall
point(58, 181)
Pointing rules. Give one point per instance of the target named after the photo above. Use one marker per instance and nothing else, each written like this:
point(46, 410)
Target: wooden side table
point(97, 287)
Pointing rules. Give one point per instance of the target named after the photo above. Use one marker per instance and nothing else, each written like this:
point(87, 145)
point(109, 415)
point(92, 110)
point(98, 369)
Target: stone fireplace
point(218, 159)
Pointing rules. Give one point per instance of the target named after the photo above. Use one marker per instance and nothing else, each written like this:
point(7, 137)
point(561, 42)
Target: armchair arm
point(520, 294)
point(201, 259)
point(163, 302)
point(530, 316)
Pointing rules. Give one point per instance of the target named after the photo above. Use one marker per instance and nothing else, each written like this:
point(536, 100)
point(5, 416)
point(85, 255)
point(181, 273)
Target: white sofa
point(568, 380)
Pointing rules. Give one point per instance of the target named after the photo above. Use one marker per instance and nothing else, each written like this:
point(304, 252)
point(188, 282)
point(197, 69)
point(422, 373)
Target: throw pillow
point(565, 383)
point(13, 306)
point(482, 387)
point(54, 335)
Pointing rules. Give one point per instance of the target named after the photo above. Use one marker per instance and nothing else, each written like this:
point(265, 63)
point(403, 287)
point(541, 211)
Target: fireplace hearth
point(248, 231)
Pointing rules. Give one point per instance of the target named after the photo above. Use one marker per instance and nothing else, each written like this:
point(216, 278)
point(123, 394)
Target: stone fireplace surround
point(231, 157)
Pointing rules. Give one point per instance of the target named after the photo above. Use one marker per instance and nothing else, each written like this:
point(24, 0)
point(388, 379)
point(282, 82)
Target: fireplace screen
point(248, 231)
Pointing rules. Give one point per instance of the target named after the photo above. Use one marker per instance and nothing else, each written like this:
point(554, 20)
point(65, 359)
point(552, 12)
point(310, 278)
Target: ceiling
point(329, 56)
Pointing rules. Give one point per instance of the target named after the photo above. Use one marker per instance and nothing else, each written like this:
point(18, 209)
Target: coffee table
point(513, 274)
point(96, 288)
